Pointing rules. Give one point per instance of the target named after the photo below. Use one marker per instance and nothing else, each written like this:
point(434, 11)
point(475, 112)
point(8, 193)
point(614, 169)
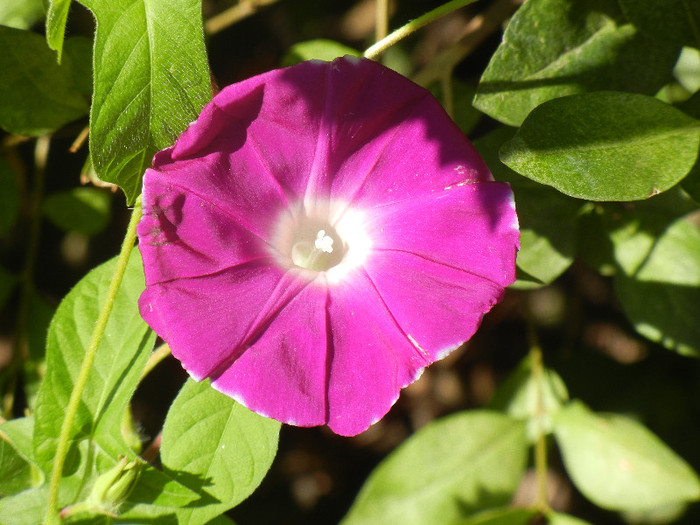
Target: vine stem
point(52, 511)
point(382, 19)
point(541, 499)
point(414, 25)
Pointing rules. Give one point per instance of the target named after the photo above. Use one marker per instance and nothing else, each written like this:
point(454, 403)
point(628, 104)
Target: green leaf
point(605, 146)
point(547, 218)
point(37, 96)
point(676, 21)
point(687, 70)
point(661, 296)
point(121, 356)
point(216, 447)
point(531, 395)
point(502, 516)
point(553, 48)
point(15, 472)
point(619, 464)
point(9, 197)
point(18, 433)
point(78, 52)
point(556, 518)
point(21, 14)
point(319, 49)
point(151, 81)
point(83, 210)
point(25, 508)
point(633, 228)
point(56, 18)
point(463, 113)
point(449, 468)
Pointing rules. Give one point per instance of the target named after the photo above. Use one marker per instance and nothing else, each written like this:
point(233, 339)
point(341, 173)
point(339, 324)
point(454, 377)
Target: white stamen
point(324, 242)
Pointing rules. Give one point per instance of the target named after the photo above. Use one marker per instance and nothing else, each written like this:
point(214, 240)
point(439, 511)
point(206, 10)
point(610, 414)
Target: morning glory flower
point(319, 236)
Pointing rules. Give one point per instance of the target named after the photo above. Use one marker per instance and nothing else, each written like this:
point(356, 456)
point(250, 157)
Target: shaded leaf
point(9, 196)
point(449, 468)
point(217, 447)
point(531, 395)
point(37, 95)
point(553, 48)
point(661, 296)
point(547, 218)
point(8, 283)
point(151, 81)
point(619, 464)
point(605, 146)
point(83, 210)
point(463, 113)
point(675, 21)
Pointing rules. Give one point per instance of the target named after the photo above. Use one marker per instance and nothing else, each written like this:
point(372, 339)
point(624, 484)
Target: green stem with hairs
point(538, 372)
point(52, 511)
point(414, 25)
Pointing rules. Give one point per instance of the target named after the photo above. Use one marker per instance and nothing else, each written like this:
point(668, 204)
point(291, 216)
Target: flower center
point(316, 246)
point(325, 237)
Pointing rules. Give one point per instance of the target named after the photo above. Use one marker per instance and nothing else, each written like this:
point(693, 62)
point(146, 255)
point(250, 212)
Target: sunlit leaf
point(319, 49)
point(605, 146)
point(503, 516)
point(217, 447)
point(447, 470)
point(662, 295)
point(21, 14)
point(556, 518)
point(619, 464)
point(56, 18)
point(151, 81)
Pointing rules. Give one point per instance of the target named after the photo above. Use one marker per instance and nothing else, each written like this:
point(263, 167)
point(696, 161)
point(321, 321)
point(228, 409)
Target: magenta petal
point(372, 358)
point(472, 227)
point(393, 145)
point(438, 307)
point(183, 235)
point(283, 373)
point(209, 320)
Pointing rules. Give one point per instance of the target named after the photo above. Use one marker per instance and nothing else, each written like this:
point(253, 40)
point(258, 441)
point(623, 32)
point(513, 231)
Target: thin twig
point(414, 25)
point(475, 32)
point(234, 14)
point(381, 28)
point(80, 140)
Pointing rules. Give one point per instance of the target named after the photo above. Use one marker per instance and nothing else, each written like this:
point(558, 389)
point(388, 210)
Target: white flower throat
point(320, 252)
point(325, 237)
